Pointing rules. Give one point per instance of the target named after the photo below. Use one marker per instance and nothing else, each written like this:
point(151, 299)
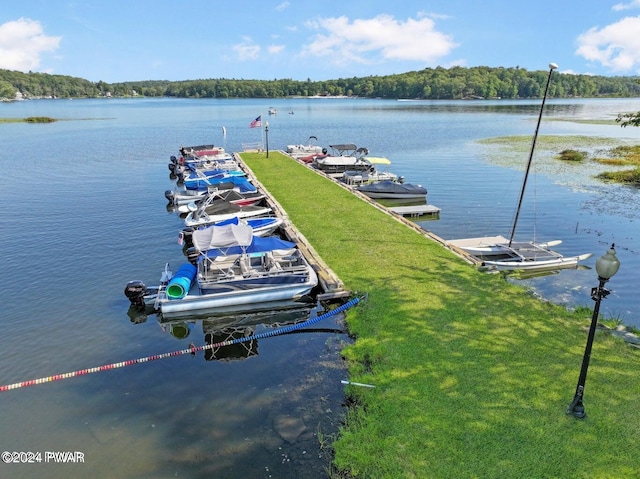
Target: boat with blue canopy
point(235, 270)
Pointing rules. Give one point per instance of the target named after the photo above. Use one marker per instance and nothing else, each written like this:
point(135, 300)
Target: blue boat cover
point(258, 245)
point(253, 222)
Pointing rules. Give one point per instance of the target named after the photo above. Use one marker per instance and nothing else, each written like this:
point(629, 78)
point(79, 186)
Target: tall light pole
point(606, 266)
point(266, 132)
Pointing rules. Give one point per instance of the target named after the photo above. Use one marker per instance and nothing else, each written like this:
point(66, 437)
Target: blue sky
point(117, 40)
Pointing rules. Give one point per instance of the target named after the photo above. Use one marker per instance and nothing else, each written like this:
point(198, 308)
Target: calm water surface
point(84, 213)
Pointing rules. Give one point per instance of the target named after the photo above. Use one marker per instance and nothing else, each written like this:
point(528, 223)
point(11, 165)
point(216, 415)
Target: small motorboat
point(202, 218)
point(306, 150)
point(392, 190)
point(223, 197)
point(261, 226)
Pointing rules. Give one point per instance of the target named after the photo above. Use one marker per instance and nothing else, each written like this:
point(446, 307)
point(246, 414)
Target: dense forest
point(430, 83)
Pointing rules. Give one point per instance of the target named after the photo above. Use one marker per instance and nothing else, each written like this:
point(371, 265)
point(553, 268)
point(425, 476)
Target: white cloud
point(274, 49)
point(616, 46)
point(379, 38)
point(282, 6)
point(247, 50)
point(22, 43)
point(626, 6)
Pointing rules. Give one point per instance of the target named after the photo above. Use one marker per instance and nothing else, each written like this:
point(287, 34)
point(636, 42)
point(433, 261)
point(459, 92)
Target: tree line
point(431, 83)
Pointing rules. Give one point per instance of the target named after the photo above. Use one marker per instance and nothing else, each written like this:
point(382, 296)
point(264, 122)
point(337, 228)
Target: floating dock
point(409, 211)
point(415, 211)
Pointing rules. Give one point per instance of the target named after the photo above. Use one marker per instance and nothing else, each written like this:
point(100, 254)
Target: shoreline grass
point(472, 374)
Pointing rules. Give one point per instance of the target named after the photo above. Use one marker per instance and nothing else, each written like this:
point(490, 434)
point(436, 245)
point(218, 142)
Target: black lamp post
point(266, 132)
point(606, 266)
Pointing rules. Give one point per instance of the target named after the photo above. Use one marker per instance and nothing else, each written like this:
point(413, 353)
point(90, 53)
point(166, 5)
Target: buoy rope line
point(190, 350)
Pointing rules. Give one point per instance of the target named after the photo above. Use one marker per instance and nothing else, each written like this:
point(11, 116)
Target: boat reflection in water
point(232, 336)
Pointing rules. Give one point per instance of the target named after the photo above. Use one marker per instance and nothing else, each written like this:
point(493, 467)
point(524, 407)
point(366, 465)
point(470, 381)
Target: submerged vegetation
point(39, 119)
point(572, 155)
point(622, 156)
point(581, 150)
point(627, 177)
point(31, 119)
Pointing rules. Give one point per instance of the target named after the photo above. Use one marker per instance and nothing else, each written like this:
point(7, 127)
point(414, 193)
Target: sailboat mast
point(552, 66)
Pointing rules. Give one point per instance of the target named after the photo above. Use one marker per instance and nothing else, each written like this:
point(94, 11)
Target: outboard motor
point(135, 291)
point(192, 255)
point(186, 236)
point(169, 195)
point(173, 159)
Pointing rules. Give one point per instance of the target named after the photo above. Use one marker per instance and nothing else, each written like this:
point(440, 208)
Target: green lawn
point(472, 374)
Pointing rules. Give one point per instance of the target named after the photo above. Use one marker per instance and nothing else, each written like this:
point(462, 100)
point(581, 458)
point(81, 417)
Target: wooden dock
point(332, 286)
point(398, 214)
point(415, 211)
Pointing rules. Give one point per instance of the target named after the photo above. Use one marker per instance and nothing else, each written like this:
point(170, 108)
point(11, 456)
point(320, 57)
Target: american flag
point(256, 123)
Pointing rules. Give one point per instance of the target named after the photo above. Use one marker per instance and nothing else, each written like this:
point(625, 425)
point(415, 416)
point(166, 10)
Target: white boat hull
point(502, 248)
point(206, 219)
point(395, 196)
point(536, 264)
point(237, 299)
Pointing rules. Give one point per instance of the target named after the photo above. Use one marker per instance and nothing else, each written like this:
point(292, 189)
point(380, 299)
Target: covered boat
point(203, 178)
point(393, 190)
point(261, 226)
point(179, 197)
point(240, 183)
point(234, 271)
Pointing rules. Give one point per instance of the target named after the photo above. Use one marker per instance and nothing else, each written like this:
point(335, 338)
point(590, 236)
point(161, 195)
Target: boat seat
point(286, 257)
point(270, 262)
point(222, 265)
point(246, 267)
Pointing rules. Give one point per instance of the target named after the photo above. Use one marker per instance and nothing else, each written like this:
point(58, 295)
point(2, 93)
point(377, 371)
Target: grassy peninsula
point(472, 374)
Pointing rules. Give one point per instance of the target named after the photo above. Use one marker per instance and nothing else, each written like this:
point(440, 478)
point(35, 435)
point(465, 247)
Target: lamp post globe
point(608, 264)
point(606, 267)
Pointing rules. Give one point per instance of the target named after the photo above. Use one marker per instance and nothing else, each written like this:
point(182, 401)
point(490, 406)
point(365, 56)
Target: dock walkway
point(331, 285)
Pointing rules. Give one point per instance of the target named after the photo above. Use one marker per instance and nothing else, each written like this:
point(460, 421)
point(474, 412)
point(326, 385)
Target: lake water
point(84, 212)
